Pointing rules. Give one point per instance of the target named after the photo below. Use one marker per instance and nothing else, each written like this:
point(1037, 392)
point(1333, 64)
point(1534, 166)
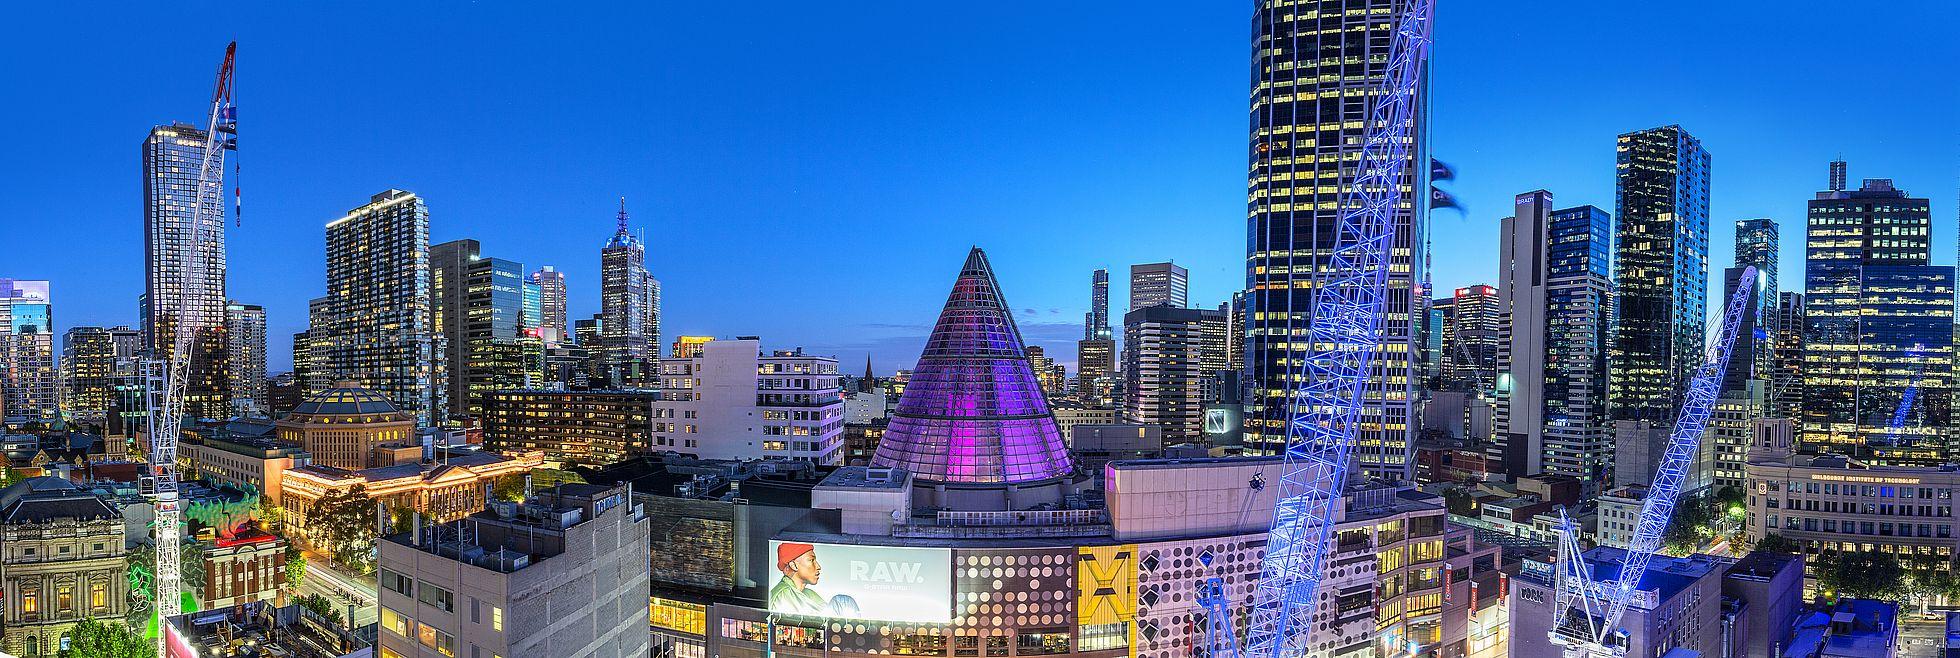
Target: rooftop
point(1666, 576)
point(511, 536)
point(345, 400)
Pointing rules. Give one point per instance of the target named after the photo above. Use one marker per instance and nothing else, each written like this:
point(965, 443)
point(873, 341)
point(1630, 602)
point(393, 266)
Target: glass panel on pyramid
point(972, 411)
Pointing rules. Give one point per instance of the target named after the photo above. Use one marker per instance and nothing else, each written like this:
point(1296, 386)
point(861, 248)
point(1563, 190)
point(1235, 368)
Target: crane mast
point(1345, 333)
point(1604, 602)
point(167, 406)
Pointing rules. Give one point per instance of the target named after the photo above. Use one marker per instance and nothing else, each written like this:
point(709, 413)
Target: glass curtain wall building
point(171, 157)
point(1316, 71)
point(1579, 316)
point(1660, 269)
point(1877, 317)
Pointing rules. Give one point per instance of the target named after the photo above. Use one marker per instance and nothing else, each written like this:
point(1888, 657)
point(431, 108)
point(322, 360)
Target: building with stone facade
point(449, 488)
point(62, 560)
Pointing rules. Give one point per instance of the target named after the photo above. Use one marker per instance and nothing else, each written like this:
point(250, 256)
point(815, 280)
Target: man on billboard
point(796, 592)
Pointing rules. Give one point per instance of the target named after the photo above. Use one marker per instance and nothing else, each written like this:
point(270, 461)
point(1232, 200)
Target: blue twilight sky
point(813, 172)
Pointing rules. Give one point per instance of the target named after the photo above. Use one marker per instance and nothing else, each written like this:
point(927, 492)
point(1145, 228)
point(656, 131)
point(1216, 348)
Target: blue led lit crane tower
point(1595, 632)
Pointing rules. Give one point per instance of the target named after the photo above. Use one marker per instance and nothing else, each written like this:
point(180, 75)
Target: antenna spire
point(622, 215)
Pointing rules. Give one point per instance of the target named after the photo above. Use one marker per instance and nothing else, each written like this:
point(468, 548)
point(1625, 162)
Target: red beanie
point(787, 552)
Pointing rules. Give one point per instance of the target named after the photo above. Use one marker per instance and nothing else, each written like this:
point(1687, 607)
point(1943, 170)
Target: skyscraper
point(1153, 284)
point(1660, 269)
point(1519, 414)
point(1786, 380)
point(1755, 246)
point(1313, 70)
point(1095, 355)
point(1095, 323)
point(27, 374)
point(94, 362)
point(629, 336)
point(1165, 358)
point(1878, 316)
point(245, 336)
point(551, 296)
point(477, 303)
point(311, 347)
point(171, 158)
point(381, 332)
point(1471, 339)
point(1579, 321)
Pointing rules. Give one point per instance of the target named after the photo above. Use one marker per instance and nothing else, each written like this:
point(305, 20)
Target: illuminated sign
point(876, 583)
point(1869, 479)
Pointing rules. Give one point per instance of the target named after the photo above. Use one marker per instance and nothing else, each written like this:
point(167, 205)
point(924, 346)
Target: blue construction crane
point(1917, 356)
point(1346, 332)
point(1604, 602)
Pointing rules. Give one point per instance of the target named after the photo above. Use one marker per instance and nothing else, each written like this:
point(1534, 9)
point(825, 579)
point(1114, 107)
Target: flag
point(1439, 170)
point(1441, 199)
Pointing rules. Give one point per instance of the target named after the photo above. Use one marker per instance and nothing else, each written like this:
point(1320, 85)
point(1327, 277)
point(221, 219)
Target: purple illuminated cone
point(972, 411)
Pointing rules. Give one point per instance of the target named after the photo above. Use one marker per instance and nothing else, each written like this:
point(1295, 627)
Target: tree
point(1775, 543)
point(343, 522)
point(1862, 575)
point(295, 568)
point(94, 639)
point(320, 606)
point(1459, 501)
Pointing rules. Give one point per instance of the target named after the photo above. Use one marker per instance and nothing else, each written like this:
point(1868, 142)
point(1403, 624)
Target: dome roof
point(345, 399)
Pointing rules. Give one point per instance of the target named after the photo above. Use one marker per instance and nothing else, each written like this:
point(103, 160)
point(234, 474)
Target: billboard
point(873, 583)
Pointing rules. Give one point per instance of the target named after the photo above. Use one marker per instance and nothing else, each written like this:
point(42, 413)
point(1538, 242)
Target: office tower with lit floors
point(1660, 269)
point(1155, 284)
point(1471, 339)
point(27, 368)
point(171, 157)
point(245, 331)
point(478, 305)
point(629, 336)
point(380, 332)
point(1579, 331)
point(1878, 319)
point(1314, 73)
point(1095, 355)
point(552, 327)
point(95, 362)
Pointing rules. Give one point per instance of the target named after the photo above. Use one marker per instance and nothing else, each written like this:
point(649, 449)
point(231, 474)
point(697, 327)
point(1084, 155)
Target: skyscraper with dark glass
point(478, 306)
point(171, 157)
point(1660, 271)
point(1314, 75)
point(1878, 318)
point(1755, 246)
point(1095, 323)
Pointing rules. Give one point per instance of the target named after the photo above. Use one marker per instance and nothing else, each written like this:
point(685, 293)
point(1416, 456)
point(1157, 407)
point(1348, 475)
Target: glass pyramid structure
point(972, 411)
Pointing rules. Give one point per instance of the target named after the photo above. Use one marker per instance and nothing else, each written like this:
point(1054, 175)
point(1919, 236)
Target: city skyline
point(853, 170)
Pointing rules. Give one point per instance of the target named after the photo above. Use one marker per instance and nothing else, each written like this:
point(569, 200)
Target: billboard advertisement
point(873, 583)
